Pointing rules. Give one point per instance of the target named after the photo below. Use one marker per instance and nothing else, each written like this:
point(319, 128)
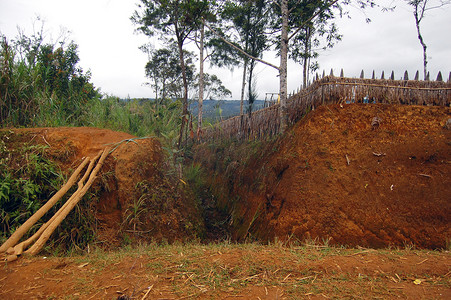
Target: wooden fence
point(331, 90)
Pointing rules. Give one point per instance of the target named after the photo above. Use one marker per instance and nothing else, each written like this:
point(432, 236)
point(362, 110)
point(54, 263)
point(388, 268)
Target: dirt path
point(225, 271)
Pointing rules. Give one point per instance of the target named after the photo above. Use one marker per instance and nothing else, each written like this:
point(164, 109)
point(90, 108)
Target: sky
point(108, 44)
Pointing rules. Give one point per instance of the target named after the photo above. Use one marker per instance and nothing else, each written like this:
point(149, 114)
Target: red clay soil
point(337, 177)
point(232, 272)
point(133, 171)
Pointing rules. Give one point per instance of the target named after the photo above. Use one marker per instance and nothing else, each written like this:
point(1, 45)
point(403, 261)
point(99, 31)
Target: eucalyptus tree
point(172, 18)
point(317, 34)
point(283, 11)
point(420, 7)
point(164, 70)
point(213, 87)
point(245, 23)
point(208, 15)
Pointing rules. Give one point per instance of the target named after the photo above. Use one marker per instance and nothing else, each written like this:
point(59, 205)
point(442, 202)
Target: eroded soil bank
point(341, 177)
point(136, 195)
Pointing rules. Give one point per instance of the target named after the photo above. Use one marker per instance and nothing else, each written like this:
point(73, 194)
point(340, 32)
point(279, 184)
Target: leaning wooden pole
point(17, 235)
point(19, 248)
point(37, 246)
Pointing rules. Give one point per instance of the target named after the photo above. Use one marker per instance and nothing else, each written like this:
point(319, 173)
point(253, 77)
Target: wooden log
point(18, 249)
point(37, 246)
point(17, 235)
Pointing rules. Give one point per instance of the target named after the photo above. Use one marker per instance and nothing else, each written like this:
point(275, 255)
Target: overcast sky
point(108, 45)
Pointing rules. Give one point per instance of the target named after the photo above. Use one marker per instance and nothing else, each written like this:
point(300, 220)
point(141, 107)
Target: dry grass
point(248, 271)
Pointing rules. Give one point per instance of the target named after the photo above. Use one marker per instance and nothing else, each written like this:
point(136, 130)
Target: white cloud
point(108, 45)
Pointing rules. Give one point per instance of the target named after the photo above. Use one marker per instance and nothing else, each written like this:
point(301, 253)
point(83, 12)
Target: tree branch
point(239, 49)
point(311, 18)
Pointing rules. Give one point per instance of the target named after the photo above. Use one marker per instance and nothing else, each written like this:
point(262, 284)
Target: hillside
point(303, 204)
point(336, 177)
point(216, 110)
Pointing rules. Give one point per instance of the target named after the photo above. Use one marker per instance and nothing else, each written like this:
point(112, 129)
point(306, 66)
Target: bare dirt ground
point(334, 178)
point(231, 271)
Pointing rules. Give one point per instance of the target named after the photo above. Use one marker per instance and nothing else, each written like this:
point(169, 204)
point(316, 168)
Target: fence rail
point(331, 90)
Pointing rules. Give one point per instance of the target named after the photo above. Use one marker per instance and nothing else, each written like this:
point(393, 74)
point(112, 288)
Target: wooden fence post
point(333, 90)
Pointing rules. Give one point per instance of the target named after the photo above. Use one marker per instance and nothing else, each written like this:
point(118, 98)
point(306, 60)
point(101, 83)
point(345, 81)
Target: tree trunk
point(185, 91)
point(156, 92)
point(423, 44)
point(201, 81)
point(283, 66)
point(77, 196)
point(243, 87)
point(306, 58)
point(249, 87)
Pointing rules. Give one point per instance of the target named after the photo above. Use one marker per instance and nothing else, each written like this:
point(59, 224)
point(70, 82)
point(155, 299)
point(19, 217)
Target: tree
point(284, 9)
point(176, 18)
point(164, 69)
point(281, 15)
point(419, 9)
point(246, 21)
point(318, 34)
point(200, 40)
point(213, 87)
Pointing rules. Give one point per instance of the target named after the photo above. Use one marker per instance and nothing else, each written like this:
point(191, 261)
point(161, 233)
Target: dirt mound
point(136, 196)
point(368, 175)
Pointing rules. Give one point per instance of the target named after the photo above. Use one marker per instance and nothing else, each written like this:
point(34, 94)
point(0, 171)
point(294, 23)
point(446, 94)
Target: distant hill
point(214, 110)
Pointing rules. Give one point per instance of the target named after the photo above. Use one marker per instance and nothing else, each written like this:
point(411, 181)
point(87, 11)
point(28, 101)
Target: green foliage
point(41, 85)
point(195, 178)
point(213, 87)
point(29, 178)
point(140, 117)
point(26, 174)
point(318, 34)
point(164, 69)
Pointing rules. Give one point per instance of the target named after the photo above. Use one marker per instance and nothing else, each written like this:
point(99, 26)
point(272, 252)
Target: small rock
point(376, 122)
point(448, 124)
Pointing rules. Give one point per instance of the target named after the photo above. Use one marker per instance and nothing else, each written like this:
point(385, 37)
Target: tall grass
point(47, 91)
point(50, 90)
point(140, 117)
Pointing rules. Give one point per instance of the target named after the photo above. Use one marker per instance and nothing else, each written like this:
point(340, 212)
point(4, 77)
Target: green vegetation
point(41, 85)
point(29, 178)
point(140, 117)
